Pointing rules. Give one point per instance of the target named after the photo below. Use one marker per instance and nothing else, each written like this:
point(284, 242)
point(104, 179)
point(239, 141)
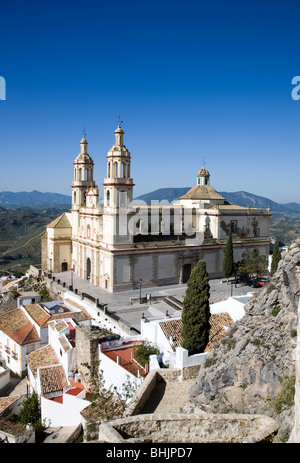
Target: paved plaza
point(120, 303)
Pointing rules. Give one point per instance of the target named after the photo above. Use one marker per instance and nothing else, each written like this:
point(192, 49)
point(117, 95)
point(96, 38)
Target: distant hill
point(240, 198)
point(34, 199)
point(20, 236)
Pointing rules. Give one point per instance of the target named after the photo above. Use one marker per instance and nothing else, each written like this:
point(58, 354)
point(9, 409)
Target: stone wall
point(87, 345)
point(180, 428)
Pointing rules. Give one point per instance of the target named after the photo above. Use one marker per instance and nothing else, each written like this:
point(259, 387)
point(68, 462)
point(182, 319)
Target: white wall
point(65, 414)
point(115, 375)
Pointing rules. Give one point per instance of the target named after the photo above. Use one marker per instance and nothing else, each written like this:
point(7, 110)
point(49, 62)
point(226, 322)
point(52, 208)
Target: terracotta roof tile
point(172, 329)
point(39, 315)
point(7, 401)
point(217, 330)
point(45, 356)
point(16, 325)
point(53, 379)
point(202, 192)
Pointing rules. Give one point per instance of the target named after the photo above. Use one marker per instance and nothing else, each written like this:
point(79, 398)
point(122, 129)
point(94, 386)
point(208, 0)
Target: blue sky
point(190, 80)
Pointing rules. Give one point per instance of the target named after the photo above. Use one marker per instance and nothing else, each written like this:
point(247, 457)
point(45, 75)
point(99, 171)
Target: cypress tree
point(228, 262)
point(275, 258)
point(196, 313)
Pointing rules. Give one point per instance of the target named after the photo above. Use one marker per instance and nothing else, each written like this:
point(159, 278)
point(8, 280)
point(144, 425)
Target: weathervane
point(119, 120)
point(83, 131)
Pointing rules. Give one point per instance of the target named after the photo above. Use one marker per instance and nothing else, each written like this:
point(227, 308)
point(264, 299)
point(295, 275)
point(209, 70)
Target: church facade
point(119, 243)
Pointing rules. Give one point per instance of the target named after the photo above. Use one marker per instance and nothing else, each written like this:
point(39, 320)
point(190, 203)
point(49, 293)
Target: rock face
point(252, 371)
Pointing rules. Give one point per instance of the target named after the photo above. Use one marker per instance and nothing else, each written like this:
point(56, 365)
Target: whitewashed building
point(118, 367)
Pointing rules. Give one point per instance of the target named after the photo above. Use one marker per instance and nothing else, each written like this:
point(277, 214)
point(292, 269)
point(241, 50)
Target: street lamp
point(72, 278)
point(141, 290)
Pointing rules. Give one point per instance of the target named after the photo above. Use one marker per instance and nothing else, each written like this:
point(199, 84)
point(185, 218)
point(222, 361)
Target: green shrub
point(284, 399)
point(294, 333)
point(276, 311)
point(143, 351)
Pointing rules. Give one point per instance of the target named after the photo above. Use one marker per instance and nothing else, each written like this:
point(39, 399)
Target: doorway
point(64, 266)
point(186, 272)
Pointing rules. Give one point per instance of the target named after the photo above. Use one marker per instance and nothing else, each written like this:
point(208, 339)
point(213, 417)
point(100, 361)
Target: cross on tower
point(83, 132)
point(119, 120)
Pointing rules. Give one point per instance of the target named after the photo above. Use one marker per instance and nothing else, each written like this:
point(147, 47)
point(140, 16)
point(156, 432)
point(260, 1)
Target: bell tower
point(118, 192)
point(83, 176)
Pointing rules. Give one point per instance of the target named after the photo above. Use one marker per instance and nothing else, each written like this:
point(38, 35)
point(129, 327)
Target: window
point(233, 226)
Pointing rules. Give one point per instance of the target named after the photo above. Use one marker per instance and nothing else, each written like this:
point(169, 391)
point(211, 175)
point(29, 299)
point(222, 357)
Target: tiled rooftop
point(39, 315)
point(172, 329)
point(16, 325)
point(7, 401)
point(124, 353)
point(218, 322)
point(53, 379)
point(103, 407)
point(45, 356)
point(16, 429)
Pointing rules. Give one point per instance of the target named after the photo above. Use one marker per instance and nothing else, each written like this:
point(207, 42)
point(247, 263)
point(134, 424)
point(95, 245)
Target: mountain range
point(240, 198)
point(37, 200)
point(34, 199)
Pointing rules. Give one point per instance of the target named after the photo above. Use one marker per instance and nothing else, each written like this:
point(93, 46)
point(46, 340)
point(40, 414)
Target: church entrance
point(64, 266)
point(186, 272)
point(88, 268)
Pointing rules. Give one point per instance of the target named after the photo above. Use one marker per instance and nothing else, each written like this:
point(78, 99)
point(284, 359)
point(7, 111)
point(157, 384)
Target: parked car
point(263, 281)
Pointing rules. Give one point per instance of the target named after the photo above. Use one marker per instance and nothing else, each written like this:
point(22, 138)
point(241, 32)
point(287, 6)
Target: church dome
point(203, 172)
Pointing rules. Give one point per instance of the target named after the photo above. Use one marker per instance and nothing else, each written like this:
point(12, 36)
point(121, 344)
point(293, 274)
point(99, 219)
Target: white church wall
point(166, 266)
point(122, 270)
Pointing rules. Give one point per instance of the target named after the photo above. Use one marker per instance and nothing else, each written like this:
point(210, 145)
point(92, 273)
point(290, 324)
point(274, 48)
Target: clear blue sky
point(190, 79)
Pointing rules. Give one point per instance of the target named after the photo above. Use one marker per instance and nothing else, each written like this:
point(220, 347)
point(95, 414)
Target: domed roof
point(119, 129)
point(203, 172)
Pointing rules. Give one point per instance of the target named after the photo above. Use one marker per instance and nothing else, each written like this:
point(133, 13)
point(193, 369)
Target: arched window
point(108, 198)
point(88, 232)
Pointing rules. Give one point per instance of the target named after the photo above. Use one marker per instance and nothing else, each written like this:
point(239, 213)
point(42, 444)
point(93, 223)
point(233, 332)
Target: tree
point(228, 262)
point(143, 351)
point(275, 258)
point(196, 313)
point(253, 264)
point(30, 412)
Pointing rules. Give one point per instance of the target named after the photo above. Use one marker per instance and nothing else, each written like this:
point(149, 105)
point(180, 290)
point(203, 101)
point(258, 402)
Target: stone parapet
point(182, 428)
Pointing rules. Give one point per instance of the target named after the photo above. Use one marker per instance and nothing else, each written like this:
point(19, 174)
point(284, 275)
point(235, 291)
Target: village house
point(165, 333)
point(25, 329)
point(118, 366)
point(51, 375)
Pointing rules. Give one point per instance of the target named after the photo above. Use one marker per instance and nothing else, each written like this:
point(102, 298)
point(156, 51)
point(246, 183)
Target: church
point(119, 242)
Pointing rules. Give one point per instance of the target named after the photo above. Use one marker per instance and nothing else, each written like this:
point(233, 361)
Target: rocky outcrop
point(252, 371)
